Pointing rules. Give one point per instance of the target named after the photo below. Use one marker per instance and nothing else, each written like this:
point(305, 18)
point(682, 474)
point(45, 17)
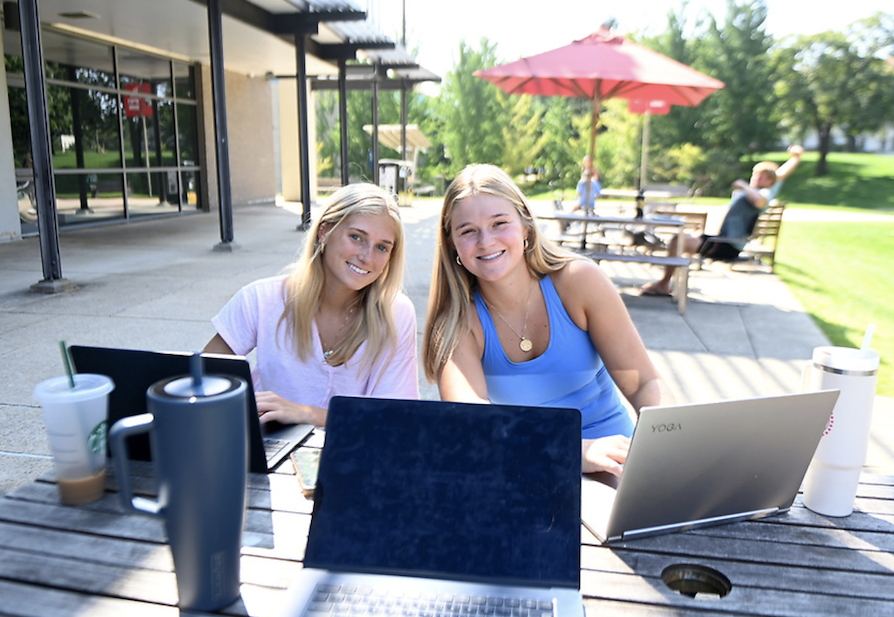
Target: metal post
point(219, 96)
point(375, 123)
point(41, 151)
point(343, 120)
point(403, 120)
point(644, 155)
point(160, 177)
point(303, 137)
point(597, 108)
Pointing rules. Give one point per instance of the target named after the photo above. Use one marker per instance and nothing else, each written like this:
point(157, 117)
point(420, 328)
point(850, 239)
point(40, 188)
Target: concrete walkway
point(156, 285)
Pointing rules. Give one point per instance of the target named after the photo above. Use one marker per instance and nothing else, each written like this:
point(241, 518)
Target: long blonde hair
point(452, 285)
point(306, 276)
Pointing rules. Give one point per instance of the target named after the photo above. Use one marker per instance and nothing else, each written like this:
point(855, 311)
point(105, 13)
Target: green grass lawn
point(854, 181)
point(841, 272)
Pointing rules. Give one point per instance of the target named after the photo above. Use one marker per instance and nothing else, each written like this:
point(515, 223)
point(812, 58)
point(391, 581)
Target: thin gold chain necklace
point(327, 353)
point(524, 343)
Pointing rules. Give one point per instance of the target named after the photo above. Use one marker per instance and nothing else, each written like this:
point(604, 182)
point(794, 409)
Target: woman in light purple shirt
point(336, 323)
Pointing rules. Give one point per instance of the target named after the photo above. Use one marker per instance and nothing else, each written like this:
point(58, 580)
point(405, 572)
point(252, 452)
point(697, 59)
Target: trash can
point(395, 176)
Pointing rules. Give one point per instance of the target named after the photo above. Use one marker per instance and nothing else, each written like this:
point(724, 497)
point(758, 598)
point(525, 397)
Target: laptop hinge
point(705, 522)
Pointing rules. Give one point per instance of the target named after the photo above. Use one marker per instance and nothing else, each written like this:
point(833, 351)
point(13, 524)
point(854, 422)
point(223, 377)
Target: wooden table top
point(95, 560)
point(619, 220)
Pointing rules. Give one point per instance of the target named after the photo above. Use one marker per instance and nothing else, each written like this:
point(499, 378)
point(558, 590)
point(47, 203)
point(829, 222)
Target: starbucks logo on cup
point(96, 440)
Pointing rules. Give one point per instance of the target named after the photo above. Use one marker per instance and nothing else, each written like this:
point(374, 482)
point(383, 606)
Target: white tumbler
point(830, 485)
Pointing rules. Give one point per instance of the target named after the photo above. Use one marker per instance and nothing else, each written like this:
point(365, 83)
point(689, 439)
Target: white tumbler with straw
point(830, 485)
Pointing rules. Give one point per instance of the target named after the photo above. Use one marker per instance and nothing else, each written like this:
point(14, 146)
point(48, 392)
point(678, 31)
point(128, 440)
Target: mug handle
point(120, 431)
point(805, 376)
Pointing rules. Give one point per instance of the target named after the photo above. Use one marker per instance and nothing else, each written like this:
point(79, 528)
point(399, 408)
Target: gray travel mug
point(197, 428)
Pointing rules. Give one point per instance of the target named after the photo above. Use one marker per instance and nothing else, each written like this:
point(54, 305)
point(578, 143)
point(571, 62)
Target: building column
point(41, 151)
point(343, 120)
point(219, 94)
point(375, 125)
point(304, 145)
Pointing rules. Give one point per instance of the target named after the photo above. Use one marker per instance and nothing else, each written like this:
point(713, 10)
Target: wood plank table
point(95, 561)
point(676, 260)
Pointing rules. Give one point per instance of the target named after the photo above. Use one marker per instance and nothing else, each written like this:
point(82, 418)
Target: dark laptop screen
point(135, 370)
point(480, 492)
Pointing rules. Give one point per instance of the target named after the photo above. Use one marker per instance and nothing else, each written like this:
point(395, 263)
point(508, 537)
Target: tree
point(565, 143)
point(523, 138)
point(682, 124)
point(742, 117)
point(472, 111)
point(736, 121)
point(831, 80)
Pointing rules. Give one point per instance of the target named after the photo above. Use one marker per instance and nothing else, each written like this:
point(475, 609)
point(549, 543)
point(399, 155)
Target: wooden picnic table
point(97, 561)
point(599, 222)
point(633, 193)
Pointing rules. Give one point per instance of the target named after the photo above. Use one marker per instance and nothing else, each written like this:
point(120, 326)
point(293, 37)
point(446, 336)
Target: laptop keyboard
point(344, 600)
point(273, 446)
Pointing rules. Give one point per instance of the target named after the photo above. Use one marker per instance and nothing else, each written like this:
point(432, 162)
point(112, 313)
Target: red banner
point(137, 106)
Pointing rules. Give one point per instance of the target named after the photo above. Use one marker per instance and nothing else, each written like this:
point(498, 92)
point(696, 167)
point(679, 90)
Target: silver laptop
point(708, 464)
point(135, 370)
point(430, 508)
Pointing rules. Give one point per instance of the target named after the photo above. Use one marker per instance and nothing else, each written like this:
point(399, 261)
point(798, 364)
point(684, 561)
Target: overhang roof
point(258, 35)
point(389, 135)
point(390, 68)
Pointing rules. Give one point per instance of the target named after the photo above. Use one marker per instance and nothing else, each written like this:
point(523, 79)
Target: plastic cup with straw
point(75, 408)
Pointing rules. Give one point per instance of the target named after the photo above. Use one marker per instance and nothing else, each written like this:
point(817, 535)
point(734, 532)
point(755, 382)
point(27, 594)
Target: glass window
point(149, 133)
point(149, 194)
point(73, 59)
point(88, 198)
point(84, 125)
point(86, 109)
point(150, 73)
point(190, 190)
point(19, 126)
point(184, 81)
point(187, 123)
point(165, 141)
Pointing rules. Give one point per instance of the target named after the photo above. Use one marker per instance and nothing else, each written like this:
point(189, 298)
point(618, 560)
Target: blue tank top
point(570, 373)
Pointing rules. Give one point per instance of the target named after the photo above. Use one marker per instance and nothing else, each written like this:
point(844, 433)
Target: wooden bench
point(764, 238)
point(681, 263)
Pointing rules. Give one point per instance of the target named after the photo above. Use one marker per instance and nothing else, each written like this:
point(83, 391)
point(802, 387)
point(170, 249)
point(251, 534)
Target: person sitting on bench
point(749, 199)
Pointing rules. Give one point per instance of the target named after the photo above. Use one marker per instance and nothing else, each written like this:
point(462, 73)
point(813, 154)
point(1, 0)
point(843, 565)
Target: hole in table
point(696, 581)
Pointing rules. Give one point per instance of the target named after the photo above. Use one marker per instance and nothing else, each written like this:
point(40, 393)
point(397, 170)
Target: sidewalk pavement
point(156, 285)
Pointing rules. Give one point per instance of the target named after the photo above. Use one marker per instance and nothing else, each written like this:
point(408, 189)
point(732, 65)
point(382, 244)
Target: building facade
point(163, 108)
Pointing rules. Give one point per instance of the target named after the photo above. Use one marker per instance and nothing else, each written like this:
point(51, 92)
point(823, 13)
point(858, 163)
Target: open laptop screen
point(135, 370)
point(396, 476)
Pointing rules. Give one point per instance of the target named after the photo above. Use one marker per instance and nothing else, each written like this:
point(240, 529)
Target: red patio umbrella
point(603, 66)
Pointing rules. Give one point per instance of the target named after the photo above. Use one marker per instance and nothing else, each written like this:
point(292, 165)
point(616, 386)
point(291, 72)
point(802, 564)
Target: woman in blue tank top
point(514, 319)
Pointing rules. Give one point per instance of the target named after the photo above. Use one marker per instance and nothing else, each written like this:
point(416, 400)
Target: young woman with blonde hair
point(514, 319)
point(337, 322)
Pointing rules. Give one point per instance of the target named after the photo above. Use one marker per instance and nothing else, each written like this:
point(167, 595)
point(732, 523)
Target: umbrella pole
point(644, 160)
point(597, 104)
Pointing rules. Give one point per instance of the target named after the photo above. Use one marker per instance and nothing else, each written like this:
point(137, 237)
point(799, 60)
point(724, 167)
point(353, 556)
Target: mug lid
point(846, 358)
point(185, 387)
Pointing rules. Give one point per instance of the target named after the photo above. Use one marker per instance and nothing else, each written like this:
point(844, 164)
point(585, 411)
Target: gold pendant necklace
point(524, 343)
